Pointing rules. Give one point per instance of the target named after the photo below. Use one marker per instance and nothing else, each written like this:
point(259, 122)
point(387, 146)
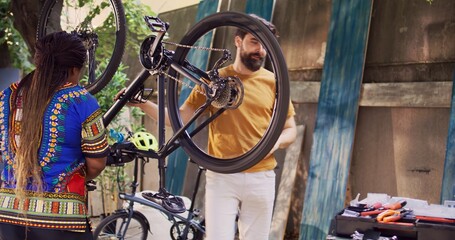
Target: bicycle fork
point(124, 226)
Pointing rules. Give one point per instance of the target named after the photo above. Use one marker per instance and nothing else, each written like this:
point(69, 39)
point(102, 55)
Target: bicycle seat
point(168, 201)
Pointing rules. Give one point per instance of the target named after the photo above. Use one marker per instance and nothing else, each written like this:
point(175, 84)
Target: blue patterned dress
point(72, 130)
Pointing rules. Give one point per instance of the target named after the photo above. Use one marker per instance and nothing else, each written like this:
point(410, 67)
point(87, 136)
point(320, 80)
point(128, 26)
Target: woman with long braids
point(52, 140)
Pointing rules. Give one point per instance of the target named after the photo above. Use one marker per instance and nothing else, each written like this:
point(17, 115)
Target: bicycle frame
point(164, 148)
point(157, 60)
point(167, 148)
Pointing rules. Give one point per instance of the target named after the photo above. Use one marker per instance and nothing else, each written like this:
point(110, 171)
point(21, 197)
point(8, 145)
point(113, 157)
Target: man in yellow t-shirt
point(249, 194)
point(236, 131)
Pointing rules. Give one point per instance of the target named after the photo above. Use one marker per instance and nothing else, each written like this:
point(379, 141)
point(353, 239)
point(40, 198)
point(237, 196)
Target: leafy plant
point(18, 51)
point(137, 29)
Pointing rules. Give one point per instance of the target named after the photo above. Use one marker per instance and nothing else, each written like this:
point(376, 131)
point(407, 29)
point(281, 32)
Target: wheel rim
point(266, 140)
point(101, 27)
point(178, 228)
point(111, 229)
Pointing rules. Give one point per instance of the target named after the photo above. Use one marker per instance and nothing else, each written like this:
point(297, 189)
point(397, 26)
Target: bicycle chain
point(181, 81)
point(191, 47)
point(195, 47)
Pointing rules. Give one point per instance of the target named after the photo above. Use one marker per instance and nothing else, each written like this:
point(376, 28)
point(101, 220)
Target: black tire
point(109, 227)
point(189, 141)
point(112, 37)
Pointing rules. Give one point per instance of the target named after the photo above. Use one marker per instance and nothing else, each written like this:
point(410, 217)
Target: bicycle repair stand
point(169, 201)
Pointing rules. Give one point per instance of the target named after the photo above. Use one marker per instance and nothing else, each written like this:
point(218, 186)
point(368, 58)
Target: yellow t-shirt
point(236, 131)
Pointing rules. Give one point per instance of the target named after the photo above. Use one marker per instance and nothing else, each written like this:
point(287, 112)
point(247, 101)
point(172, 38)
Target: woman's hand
point(129, 103)
point(119, 94)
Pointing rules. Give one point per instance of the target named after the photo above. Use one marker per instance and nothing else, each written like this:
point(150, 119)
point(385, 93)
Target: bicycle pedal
point(155, 24)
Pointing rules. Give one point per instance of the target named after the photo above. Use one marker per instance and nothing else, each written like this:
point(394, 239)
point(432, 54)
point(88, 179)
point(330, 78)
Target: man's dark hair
point(241, 33)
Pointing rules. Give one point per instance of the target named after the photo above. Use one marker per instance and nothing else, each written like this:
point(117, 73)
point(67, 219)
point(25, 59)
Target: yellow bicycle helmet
point(144, 141)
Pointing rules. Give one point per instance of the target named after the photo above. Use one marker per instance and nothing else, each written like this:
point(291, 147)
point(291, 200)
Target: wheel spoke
point(112, 227)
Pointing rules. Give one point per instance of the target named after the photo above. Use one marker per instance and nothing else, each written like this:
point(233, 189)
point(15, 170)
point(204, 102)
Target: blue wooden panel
point(448, 180)
point(177, 161)
point(336, 117)
point(8, 76)
point(262, 8)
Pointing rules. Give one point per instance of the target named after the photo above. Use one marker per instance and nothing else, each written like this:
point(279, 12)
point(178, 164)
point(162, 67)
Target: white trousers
point(248, 195)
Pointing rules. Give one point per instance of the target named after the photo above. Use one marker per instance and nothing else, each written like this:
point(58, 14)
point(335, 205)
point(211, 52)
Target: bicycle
point(176, 73)
point(129, 223)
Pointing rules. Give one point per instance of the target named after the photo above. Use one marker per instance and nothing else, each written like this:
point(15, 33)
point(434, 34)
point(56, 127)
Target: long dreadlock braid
point(55, 55)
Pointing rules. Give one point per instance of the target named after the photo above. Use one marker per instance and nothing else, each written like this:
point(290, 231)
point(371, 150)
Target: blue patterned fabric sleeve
point(94, 142)
point(6, 160)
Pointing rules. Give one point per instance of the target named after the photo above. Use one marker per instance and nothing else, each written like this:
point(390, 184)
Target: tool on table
point(381, 208)
point(435, 219)
point(393, 216)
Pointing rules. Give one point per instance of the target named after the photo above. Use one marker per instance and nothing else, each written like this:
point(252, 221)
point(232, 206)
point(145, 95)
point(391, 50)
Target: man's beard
point(251, 63)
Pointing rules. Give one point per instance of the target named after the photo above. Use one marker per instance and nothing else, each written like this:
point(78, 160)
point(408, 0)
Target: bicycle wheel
point(236, 95)
point(178, 228)
point(111, 226)
point(101, 26)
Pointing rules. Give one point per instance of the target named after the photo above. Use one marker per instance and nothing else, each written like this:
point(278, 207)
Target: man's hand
point(287, 136)
point(275, 147)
